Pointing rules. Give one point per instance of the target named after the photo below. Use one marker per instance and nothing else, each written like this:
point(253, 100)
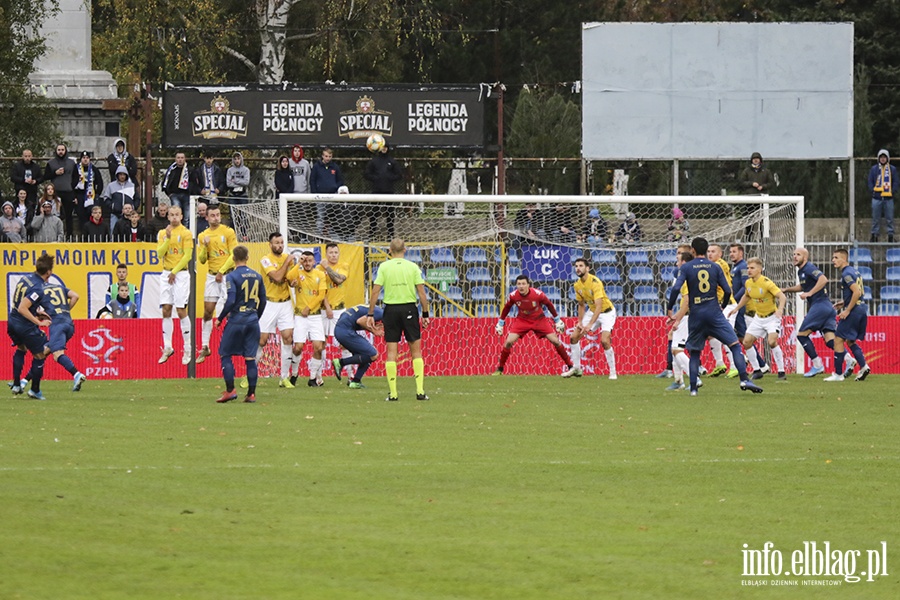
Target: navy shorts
point(27, 334)
point(353, 341)
point(60, 334)
point(821, 317)
point(240, 338)
point(703, 325)
point(853, 327)
point(740, 323)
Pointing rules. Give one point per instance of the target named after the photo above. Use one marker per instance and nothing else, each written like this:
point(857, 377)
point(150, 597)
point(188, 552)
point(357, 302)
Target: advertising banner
point(337, 116)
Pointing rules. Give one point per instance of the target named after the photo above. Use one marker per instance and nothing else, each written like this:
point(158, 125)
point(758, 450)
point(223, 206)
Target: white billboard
point(717, 90)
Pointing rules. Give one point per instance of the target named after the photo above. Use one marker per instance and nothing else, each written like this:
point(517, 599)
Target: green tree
point(27, 119)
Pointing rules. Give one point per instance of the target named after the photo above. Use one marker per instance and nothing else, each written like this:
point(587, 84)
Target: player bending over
point(361, 352)
point(600, 314)
point(531, 302)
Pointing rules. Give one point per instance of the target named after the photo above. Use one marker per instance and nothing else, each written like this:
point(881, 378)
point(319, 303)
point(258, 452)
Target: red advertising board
point(129, 349)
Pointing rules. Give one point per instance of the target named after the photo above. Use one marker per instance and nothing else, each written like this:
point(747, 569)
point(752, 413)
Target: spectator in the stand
point(382, 173)
point(629, 230)
point(325, 178)
point(120, 157)
point(202, 223)
point(96, 229)
point(59, 170)
point(526, 219)
point(284, 177)
point(159, 221)
point(595, 230)
point(882, 183)
point(120, 307)
point(677, 227)
point(301, 170)
point(237, 180)
point(756, 179)
point(558, 226)
point(87, 182)
point(46, 227)
point(26, 174)
point(122, 279)
point(121, 192)
point(130, 228)
point(49, 194)
point(176, 184)
point(207, 179)
point(24, 208)
point(11, 226)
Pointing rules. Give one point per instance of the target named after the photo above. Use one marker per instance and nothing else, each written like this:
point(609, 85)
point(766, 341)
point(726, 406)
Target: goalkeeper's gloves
point(499, 327)
point(560, 326)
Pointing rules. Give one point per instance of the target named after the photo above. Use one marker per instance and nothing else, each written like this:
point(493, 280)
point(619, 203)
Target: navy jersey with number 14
point(246, 295)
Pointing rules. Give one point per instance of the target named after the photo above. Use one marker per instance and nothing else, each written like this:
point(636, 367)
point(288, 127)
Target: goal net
point(472, 248)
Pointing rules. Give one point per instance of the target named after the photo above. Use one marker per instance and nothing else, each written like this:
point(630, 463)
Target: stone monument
point(90, 115)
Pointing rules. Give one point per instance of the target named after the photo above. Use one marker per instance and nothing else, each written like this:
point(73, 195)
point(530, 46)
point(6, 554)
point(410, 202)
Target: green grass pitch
point(499, 487)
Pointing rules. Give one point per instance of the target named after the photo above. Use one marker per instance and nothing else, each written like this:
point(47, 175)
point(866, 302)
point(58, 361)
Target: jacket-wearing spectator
point(326, 178)
point(26, 174)
point(120, 192)
point(382, 172)
point(301, 170)
point(46, 227)
point(96, 229)
point(202, 223)
point(883, 183)
point(176, 183)
point(159, 221)
point(49, 194)
point(10, 225)
point(24, 208)
point(87, 181)
point(130, 229)
point(59, 171)
point(629, 230)
point(120, 157)
point(207, 178)
point(237, 177)
point(756, 179)
point(284, 177)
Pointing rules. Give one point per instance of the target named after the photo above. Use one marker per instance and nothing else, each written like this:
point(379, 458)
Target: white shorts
point(310, 328)
point(331, 323)
point(760, 327)
point(680, 335)
point(214, 291)
point(605, 322)
point(732, 318)
point(277, 314)
point(175, 294)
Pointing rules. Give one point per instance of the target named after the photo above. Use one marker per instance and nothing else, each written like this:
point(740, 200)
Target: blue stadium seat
point(667, 256)
point(867, 293)
point(454, 292)
point(452, 311)
point(443, 255)
point(475, 256)
point(636, 257)
point(861, 256)
point(512, 255)
point(487, 310)
point(604, 257)
point(552, 292)
point(478, 274)
point(608, 274)
point(646, 293)
point(484, 293)
point(572, 293)
point(890, 292)
point(668, 274)
point(892, 274)
point(620, 309)
point(576, 253)
point(866, 273)
point(414, 255)
point(651, 310)
point(893, 255)
point(513, 273)
point(614, 293)
point(641, 274)
point(889, 309)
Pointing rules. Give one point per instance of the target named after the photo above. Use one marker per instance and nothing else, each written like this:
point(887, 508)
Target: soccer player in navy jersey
point(851, 326)
point(530, 302)
point(820, 314)
point(24, 327)
point(703, 277)
point(245, 303)
point(57, 303)
point(347, 333)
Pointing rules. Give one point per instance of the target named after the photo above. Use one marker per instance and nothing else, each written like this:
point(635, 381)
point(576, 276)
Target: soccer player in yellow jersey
point(715, 254)
point(279, 311)
point(175, 249)
point(310, 301)
point(595, 311)
point(215, 245)
point(760, 295)
point(336, 273)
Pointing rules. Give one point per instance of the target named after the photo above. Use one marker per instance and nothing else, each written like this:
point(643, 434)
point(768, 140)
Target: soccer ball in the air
point(375, 142)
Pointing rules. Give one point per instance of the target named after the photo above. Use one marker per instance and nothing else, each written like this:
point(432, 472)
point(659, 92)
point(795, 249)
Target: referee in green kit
point(402, 282)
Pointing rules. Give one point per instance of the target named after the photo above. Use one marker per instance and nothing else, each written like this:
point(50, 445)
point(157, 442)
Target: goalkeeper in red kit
point(531, 302)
